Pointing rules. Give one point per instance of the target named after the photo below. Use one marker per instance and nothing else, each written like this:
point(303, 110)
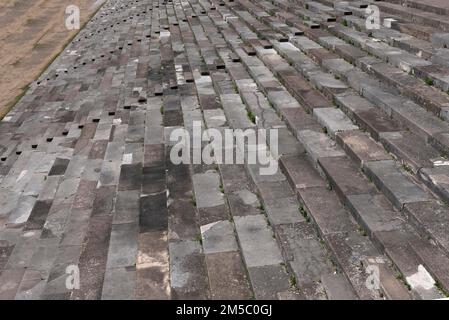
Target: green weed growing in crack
point(199, 238)
point(441, 289)
point(362, 231)
point(407, 168)
point(409, 287)
point(161, 110)
point(235, 88)
point(344, 23)
point(221, 188)
point(429, 81)
point(303, 212)
point(251, 116)
point(401, 278)
point(292, 280)
point(335, 268)
point(193, 200)
point(261, 207)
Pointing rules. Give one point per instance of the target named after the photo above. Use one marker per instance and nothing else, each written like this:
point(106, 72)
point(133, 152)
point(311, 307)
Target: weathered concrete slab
point(214, 118)
point(283, 211)
point(300, 173)
point(337, 287)
point(345, 178)
point(400, 250)
point(318, 145)
point(255, 236)
point(218, 237)
point(374, 213)
point(334, 120)
point(430, 217)
point(324, 207)
point(152, 266)
point(227, 276)
point(410, 148)
point(188, 270)
point(398, 188)
point(350, 249)
point(119, 284)
point(436, 179)
point(206, 186)
point(360, 147)
point(268, 281)
point(307, 257)
point(123, 246)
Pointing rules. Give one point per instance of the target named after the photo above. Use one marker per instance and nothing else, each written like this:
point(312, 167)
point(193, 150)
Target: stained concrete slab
point(206, 186)
point(394, 184)
point(361, 147)
point(337, 287)
point(268, 281)
point(255, 236)
point(218, 237)
point(187, 270)
point(318, 145)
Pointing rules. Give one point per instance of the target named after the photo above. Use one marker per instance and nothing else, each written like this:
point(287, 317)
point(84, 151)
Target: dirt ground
point(32, 33)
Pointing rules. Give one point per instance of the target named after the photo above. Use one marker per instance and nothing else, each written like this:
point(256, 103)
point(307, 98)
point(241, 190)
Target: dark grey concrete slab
point(398, 188)
point(268, 281)
point(360, 147)
point(431, 218)
point(324, 207)
point(227, 276)
point(255, 236)
point(345, 178)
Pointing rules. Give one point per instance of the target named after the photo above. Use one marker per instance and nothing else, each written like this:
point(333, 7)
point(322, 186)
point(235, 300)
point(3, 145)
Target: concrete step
point(398, 60)
point(426, 18)
point(336, 287)
point(394, 184)
point(306, 148)
point(385, 100)
point(345, 103)
point(281, 213)
point(385, 32)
